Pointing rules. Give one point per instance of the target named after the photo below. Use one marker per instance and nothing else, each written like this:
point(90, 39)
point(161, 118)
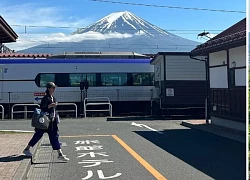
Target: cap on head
point(51, 85)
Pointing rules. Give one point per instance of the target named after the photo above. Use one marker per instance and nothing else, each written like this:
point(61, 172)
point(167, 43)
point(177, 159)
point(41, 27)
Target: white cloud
point(26, 41)
point(61, 37)
point(37, 15)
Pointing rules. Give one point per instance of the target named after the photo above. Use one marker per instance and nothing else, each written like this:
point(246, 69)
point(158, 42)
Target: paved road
point(138, 153)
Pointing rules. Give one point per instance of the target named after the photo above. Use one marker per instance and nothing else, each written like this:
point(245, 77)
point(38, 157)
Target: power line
point(106, 48)
point(109, 44)
point(42, 26)
point(34, 33)
point(171, 7)
point(81, 28)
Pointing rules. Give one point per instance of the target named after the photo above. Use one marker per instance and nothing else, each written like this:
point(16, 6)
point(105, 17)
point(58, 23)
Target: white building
point(226, 57)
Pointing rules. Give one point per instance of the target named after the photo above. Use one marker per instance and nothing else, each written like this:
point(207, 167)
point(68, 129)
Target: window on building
point(45, 78)
point(231, 77)
point(114, 79)
point(143, 79)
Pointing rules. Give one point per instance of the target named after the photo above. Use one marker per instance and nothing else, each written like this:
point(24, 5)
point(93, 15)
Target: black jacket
point(46, 101)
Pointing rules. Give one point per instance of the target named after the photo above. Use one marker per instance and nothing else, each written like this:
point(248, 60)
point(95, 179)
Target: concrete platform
point(201, 125)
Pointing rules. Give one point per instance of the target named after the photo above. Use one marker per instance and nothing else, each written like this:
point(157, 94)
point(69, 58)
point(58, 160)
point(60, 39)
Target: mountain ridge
point(152, 38)
point(132, 23)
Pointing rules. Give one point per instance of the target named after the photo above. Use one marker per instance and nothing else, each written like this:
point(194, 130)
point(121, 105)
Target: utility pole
point(84, 88)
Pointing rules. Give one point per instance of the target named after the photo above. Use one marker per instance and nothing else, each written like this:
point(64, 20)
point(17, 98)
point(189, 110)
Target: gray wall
point(184, 68)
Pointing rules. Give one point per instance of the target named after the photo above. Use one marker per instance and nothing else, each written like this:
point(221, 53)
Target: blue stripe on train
point(44, 61)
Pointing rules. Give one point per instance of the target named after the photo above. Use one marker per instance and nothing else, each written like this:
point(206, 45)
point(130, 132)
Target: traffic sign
point(38, 97)
point(170, 92)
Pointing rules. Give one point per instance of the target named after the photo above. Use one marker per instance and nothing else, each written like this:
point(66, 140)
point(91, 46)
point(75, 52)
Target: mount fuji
point(119, 31)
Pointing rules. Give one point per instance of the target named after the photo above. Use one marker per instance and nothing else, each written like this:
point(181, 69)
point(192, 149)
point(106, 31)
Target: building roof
point(169, 54)
point(18, 55)
point(7, 34)
point(232, 37)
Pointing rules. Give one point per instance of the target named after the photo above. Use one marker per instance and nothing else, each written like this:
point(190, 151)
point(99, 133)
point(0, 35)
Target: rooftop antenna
point(204, 34)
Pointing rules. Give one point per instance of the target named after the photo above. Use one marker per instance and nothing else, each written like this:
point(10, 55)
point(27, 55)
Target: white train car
point(120, 77)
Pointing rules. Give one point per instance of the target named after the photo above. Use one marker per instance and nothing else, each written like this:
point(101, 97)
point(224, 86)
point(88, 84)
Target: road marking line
point(154, 172)
point(143, 125)
point(85, 136)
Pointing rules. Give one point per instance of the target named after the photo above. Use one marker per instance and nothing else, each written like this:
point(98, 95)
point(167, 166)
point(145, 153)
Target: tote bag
point(40, 120)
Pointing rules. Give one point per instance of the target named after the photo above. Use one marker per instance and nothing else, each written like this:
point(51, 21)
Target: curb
point(25, 165)
point(238, 139)
point(17, 131)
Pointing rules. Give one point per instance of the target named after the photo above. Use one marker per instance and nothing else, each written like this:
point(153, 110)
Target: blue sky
point(80, 13)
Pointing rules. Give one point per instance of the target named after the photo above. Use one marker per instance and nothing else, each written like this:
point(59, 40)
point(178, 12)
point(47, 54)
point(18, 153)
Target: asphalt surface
point(141, 154)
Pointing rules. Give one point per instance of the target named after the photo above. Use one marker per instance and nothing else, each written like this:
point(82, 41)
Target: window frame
point(97, 79)
point(124, 84)
point(40, 76)
point(150, 80)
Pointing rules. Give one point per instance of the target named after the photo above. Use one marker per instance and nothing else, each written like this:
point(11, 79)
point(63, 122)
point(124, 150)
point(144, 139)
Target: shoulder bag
point(40, 120)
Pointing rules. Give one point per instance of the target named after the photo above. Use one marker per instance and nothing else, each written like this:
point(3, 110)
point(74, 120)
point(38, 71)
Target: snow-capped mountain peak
point(113, 17)
point(124, 22)
point(118, 31)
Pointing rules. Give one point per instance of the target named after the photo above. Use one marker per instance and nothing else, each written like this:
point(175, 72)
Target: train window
point(142, 79)
point(91, 78)
point(114, 79)
point(45, 78)
point(75, 79)
point(104, 79)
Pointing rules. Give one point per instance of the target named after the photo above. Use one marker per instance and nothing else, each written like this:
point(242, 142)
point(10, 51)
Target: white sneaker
point(63, 158)
point(27, 153)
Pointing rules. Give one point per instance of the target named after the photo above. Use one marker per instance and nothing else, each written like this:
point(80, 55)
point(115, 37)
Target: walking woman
point(48, 105)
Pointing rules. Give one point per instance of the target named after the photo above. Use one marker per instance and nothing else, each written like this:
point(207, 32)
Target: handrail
point(25, 109)
point(68, 104)
point(2, 111)
point(102, 103)
point(93, 98)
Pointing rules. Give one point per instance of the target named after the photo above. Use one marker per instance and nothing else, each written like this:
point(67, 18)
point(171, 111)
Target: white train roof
point(100, 53)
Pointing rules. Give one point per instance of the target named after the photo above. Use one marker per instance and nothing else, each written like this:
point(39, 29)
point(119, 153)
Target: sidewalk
point(13, 164)
point(43, 163)
point(236, 135)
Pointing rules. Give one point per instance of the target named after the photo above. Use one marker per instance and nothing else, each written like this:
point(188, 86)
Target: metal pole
point(207, 95)
point(9, 113)
point(206, 109)
point(117, 94)
point(81, 104)
point(151, 101)
point(207, 84)
point(151, 106)
point(25, 112)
